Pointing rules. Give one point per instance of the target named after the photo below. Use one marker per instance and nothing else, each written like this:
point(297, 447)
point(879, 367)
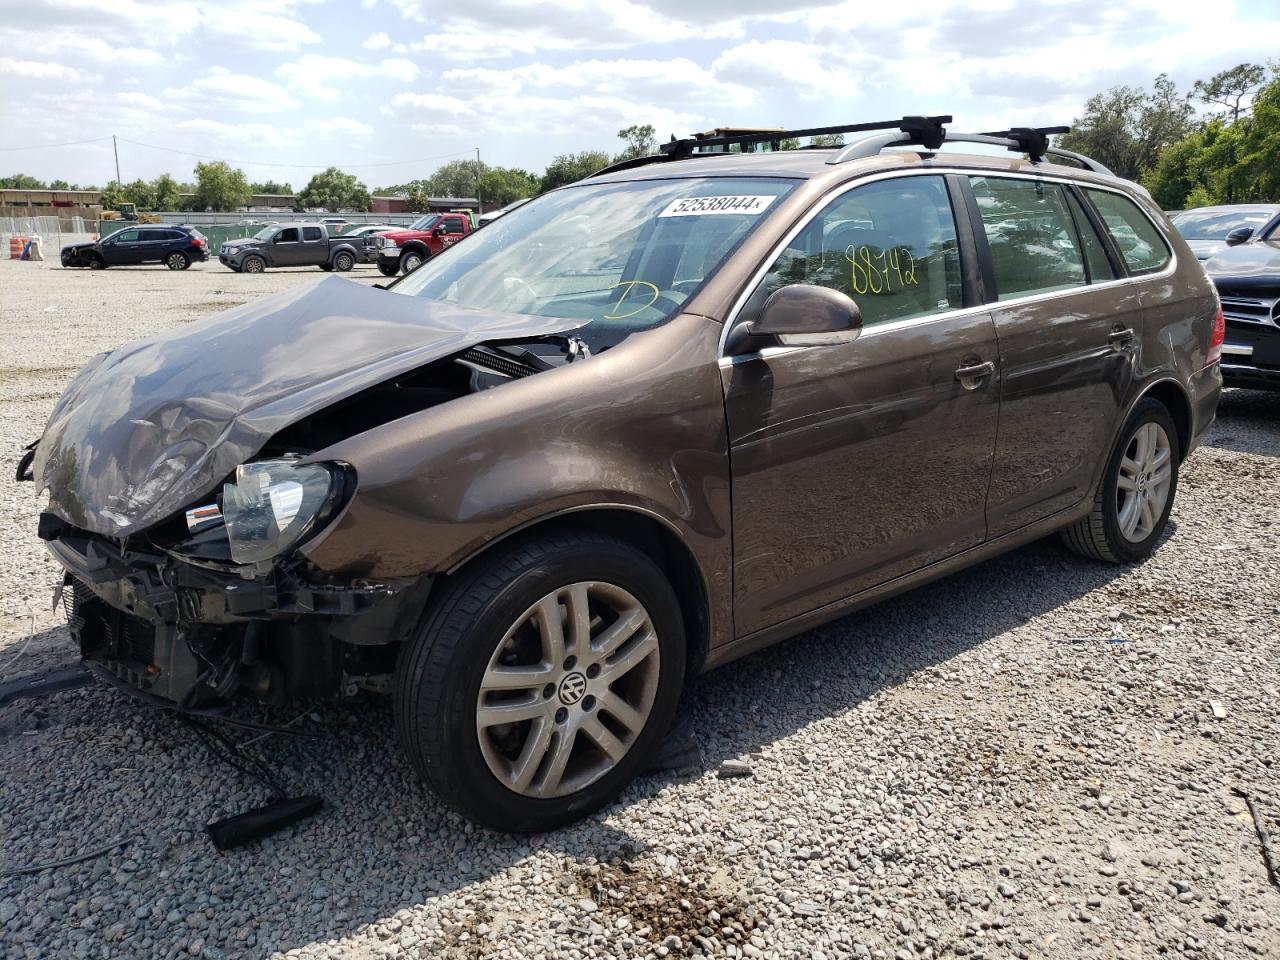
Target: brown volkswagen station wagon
point(644, 424)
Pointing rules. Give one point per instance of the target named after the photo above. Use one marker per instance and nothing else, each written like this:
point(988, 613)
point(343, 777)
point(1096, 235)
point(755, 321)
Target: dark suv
point(640, 426)
point(177, 247)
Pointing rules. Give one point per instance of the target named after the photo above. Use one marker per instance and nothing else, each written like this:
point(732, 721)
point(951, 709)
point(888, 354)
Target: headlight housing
point(273, 504)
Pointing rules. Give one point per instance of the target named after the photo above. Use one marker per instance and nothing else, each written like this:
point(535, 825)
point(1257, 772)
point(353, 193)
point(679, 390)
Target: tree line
point(1218, 142)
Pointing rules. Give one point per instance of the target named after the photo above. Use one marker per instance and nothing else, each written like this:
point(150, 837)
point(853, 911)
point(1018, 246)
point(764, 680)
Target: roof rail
point(926, 131)
point(1033, 141)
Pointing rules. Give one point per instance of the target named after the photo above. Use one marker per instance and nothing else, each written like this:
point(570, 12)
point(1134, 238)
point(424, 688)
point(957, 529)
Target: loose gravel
point(1035, 757)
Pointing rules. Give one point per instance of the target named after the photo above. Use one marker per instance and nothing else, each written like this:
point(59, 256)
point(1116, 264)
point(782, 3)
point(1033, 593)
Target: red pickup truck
point(405, 249)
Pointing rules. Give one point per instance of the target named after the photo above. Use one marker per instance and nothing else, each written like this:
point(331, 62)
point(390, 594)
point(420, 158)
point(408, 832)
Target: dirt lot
point(1035, 757)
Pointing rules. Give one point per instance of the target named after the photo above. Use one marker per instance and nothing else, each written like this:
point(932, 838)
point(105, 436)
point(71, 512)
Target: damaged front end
point(200, 632)
point(182, 481)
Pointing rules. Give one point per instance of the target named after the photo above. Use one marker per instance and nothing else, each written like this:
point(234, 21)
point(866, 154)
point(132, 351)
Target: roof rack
point(1033, 141)
point(926, 132)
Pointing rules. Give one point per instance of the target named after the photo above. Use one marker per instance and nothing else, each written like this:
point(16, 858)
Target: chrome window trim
point(822, 202)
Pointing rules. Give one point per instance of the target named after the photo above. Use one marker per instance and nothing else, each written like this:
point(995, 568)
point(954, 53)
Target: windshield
point(623, 256)
point(424, 223)
point(1216, 224)
point(265, 233)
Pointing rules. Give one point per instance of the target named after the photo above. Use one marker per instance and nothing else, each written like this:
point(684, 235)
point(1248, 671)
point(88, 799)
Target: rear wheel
point(177, 261)
point(542, 680)
point(253, 265)
point(343, 262)
point(1136, 495)
point(388, 269)
point(411, 260)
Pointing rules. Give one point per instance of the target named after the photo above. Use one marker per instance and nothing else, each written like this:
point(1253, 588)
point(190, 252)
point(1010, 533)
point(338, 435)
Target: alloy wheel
point(1144, 482)
point(568, 690)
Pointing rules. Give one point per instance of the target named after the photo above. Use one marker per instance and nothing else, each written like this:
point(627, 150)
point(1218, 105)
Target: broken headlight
point(273, 504)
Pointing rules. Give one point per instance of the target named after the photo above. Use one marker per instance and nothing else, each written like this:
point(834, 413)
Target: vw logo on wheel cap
point(572, 688)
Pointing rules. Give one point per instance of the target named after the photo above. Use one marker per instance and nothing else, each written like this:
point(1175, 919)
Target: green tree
point(572, 167)
point(640, 139)
point(1231, 88)
point(112, 196)
point(1178, 172)
point(219, 186)
point(827, 140)
point(59, 185)
point(502, 185)
point(140, 194)
point(789, 143)
point(20, 181)
point(1126, 128)
point(1259, 157)
point(458, 178)
point(271, 186)
point(165, 193)
point(334, 190)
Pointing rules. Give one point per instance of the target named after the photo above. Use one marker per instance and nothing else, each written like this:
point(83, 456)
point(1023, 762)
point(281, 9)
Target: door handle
point(1121, 336)
point(970, 375)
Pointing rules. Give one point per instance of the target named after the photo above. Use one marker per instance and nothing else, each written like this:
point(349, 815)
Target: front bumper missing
point(156, 586)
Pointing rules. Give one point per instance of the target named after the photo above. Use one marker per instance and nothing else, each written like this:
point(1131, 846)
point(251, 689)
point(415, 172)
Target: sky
point(390, 89)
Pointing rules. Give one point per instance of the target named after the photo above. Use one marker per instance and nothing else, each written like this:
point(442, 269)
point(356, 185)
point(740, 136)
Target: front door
point(857, 463)
point(1067, 332)
point(286, 249)
point(122, 249)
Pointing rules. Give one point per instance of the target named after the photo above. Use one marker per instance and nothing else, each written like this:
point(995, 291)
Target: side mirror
point(803, 315)
point(1238, 236)
point(438, 232)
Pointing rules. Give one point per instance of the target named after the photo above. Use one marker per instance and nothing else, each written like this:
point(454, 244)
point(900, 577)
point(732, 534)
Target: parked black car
point(177, 247)
point(295, 245)
point(1242, 256)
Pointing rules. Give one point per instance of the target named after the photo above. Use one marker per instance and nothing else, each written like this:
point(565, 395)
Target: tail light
point(1216, 338)
point(200, 241)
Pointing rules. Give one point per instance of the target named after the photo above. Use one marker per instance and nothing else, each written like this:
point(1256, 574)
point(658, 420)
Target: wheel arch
point(1174, 398)
point(648, 532)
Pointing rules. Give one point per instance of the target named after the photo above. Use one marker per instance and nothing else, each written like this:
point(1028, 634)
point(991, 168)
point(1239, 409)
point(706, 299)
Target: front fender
point(640, 426)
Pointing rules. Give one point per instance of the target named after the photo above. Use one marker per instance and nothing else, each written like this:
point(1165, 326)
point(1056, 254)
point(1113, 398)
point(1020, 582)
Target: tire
point(1110, 532)
point(253, 264)
point(438, 694)
point(66, 260)
point(388, 269)
point(97, 263)
point(326, 267)
point(343, 262)
point(411, 260)
point(177, 261)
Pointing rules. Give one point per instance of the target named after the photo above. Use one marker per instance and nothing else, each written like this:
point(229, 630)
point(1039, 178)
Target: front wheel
point(410, 262)
point(253, 265)
point(97, 263)
point(541, 681)
point(388, 269)
point(177, 261)
point(1133, 502)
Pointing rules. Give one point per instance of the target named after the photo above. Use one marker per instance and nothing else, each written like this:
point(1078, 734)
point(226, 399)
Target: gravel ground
point(1035, 757)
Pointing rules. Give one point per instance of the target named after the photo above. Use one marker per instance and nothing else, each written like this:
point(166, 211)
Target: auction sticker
point(702, 206)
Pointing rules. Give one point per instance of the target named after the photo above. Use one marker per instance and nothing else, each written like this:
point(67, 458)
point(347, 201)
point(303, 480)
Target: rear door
point(314, 246)
point(857, 463)
point(153, 244)
point(1068, 325)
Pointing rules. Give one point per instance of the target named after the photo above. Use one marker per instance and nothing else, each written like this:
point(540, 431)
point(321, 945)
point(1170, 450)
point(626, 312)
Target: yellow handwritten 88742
point(880, 271)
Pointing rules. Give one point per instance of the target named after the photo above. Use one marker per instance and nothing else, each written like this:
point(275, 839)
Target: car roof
point(1235, 208)
point(811, 164)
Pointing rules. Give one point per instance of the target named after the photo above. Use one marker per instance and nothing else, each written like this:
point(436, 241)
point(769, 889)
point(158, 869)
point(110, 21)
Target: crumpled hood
point(244, 242)
point(145, 429)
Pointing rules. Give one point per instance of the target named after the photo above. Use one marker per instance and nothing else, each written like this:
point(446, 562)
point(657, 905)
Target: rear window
point(149, 235)
point(1033, 240)
point(1141, 244)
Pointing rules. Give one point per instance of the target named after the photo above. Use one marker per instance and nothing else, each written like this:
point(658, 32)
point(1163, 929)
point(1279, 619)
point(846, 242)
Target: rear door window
point(1033, 240)
point(1095, 251)
point(890, 245)
point(149, 236)
point(1141, 244)
point(310, 233)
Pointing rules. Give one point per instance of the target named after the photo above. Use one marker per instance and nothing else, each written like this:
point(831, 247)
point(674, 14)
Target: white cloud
point(398, 68)
point(238, 92)
point(377, 41)
point(803, 69)
point(318, 76)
